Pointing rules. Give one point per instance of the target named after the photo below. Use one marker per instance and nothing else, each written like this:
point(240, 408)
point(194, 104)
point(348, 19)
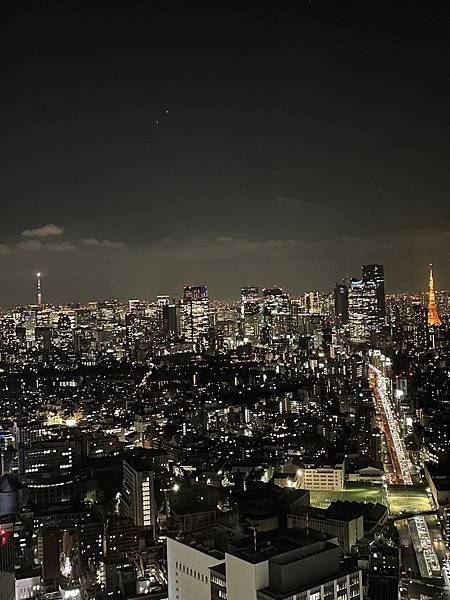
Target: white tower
point(39, 292)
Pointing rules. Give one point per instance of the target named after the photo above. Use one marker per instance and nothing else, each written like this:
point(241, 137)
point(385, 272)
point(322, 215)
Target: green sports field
point(352, 492)
point(407, 499)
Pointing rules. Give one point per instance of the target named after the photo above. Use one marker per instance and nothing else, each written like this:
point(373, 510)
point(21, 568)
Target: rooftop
point(231, 538)
point(142, 459)
point(270, 592)
point(280, 545)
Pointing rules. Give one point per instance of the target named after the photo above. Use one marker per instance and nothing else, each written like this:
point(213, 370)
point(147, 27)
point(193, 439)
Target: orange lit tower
point(433, 315)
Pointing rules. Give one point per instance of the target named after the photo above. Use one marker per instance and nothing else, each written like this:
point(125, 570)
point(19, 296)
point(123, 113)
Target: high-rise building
point(170, 320)
point(250, 305)
point(163, 300)
point(276, 314)
point(138, 501)
point(363, 310)
point(194, 317)
point(64, 334)
point(312, 303)
point(58, 455)
point(341, 304)
point(249, 293)
point(376, 273)
point(27, 431)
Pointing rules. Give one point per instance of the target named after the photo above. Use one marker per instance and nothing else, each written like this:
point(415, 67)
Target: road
point(397, 449)
point(411, 582)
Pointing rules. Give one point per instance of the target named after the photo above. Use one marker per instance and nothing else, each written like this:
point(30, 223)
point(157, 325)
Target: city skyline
point(40, 293)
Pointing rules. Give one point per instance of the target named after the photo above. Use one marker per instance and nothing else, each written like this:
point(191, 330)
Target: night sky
point(148, 145)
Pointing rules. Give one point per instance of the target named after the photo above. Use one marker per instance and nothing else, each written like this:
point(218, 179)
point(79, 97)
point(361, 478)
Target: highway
point(423, 545)
point(398, 452)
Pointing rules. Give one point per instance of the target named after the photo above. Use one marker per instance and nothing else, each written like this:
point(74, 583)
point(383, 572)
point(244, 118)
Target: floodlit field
point(408, 500)
point(352, 493)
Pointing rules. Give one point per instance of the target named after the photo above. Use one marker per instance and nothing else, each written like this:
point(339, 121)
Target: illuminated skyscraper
point(194, 315)
point(249, 293)
point(376, 273)
point(433, 315)
point(250, 304)
point(363, 309)
point(312, 303)
point(138, 489)
point(276, 314)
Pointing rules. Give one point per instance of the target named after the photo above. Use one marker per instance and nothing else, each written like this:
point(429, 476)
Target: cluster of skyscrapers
point(360, 304)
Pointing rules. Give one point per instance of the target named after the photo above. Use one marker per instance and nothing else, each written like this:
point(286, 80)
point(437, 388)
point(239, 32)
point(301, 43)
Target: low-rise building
point(323, 477)
point(347, 527)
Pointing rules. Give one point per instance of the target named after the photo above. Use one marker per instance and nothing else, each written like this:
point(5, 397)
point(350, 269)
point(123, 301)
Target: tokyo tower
point(433, 315)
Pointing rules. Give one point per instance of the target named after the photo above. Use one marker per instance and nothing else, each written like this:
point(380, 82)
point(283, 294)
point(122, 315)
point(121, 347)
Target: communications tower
point(433, 315)
point(39, 291)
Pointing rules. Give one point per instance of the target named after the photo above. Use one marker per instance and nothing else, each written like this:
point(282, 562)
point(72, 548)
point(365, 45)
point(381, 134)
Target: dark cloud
point(60, 246)
point(101, 243)
point(294, 141)
point(30, 245)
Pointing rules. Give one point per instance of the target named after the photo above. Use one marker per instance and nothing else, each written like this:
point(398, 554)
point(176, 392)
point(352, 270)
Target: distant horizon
point(177, 294)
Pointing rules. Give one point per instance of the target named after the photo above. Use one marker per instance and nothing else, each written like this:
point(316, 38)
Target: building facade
point(280, 564)
point(324, 477)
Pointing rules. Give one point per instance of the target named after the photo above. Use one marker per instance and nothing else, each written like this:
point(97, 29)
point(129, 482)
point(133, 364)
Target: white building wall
point(244, 579)
point(188, 572)
point(322, 478)
point(28, 587)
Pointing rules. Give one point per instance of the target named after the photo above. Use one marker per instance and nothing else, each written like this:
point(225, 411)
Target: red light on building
point(4, 536)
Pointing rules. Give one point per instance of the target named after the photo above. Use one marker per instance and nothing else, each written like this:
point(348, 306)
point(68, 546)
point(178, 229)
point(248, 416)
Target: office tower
point(341, 303)
point(27, 431)
point(363, 310)
point(53, 456)
point(136, 305)
point(376, 273)
point(250, 305)
point(312, 303)
point(7, 570)
point(64, 334)
point(138, 501)
point(249, 293)
point(7, 330)
point(276, 314)
point(433, 315)
point(51, 470)
point(170, 319)
point(163, 300)
point(194, 315)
